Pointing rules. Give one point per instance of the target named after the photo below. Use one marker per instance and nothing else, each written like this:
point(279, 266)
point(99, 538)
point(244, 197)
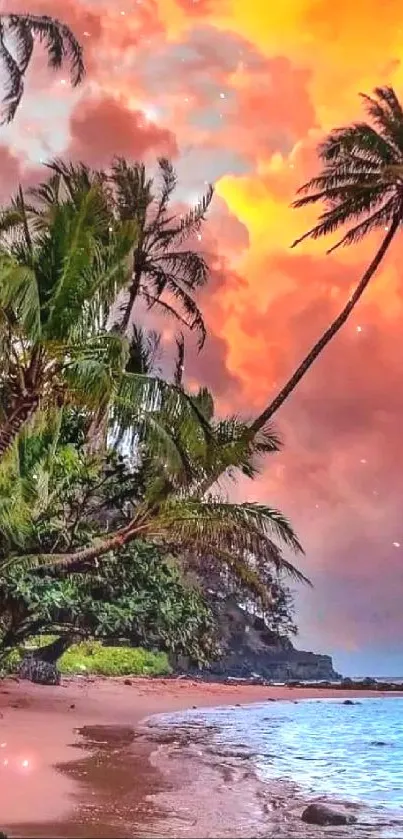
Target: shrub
point(93, 658)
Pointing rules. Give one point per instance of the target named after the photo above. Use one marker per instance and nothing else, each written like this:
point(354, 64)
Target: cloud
point(104, 127)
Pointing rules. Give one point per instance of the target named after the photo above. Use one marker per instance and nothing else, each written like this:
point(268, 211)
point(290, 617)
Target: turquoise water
point(328, 748)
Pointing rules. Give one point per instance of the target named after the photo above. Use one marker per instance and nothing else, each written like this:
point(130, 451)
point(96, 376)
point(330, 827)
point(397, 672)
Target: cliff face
point(251, 650)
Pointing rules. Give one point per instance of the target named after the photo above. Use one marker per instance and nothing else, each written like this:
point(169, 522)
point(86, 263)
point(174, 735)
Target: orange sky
point(239, 93)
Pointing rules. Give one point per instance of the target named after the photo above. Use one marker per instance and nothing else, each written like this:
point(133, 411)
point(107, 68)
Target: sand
point(111, 777)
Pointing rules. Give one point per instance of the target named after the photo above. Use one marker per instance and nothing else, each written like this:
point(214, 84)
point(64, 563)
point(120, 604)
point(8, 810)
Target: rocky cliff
point(251, 650)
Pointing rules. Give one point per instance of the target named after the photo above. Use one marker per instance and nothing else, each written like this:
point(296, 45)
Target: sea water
point(352, 752)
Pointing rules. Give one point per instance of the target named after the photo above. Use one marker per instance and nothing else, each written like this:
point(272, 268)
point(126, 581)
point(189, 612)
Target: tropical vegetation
point(77, 519)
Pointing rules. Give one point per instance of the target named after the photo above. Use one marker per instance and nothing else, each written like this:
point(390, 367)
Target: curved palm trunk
point(52, 652)
point(327, 336)
point(25, 402)
point(81, 556)
point(11, 427)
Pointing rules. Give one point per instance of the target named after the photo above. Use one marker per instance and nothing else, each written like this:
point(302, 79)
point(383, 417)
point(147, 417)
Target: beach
point(86, 759)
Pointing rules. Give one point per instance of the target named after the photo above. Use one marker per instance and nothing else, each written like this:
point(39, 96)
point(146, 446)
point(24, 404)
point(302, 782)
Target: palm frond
point(60, 45)
point(19, 292)
point(220, 528)
point(191, 221)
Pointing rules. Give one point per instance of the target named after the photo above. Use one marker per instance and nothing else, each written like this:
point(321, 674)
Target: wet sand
point(78, 761)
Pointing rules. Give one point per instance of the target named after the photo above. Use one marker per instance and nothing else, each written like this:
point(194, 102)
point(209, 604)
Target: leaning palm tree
point(361, 186)
point(246, 539)
point(18, 33)
point(166, 271)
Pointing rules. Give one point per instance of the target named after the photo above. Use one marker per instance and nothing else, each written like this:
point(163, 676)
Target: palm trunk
point(327, 336)
point(23, 411)
point(76, 559)
point(97, 435)
point(134, 290)
point(52, 652)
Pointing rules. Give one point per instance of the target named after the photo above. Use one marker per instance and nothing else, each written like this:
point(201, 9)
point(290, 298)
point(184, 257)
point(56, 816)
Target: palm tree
point(17, 39)
point(53, 281)
point(361, 186)
point(62, 265)
point(240, 537)
point(165, 272)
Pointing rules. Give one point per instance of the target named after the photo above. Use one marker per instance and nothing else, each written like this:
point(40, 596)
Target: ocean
point(351, 753)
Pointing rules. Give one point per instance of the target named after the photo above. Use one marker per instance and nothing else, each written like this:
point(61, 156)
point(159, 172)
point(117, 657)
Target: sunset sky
point(239, 92)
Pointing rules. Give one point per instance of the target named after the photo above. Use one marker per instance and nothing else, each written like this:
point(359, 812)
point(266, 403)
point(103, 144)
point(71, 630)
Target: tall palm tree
point(53, 280)
point(165, 271)
point(61, 269)
point(361, 186)
point(18, 33)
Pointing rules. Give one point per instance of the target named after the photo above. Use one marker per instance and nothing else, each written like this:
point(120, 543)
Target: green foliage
point(93, 658)
point(9, 662)
point(166, 272)
point(140, 597)
point(92, 537)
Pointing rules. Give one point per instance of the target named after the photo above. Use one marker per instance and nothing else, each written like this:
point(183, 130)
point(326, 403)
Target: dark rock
point(39, 672)
point(368, 682)
point(251, 652)
point(322, 814)
point(350, 702)
point(72, 706)
point(379, 743)
point(347, 682)
point(127, 682)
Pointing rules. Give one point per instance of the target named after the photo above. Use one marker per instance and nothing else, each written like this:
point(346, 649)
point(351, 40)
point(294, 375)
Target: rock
point(252, 652)
point(39, 672)
point(350, 702)
point(72, 706)
point(347, 682)
point(369, 683)
point(322, 814)
point(127, 682)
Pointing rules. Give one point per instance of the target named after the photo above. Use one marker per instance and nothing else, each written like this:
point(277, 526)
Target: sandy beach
point(78, 760)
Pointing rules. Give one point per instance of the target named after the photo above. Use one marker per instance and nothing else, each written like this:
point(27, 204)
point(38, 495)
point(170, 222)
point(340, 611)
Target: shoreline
point(110, 722)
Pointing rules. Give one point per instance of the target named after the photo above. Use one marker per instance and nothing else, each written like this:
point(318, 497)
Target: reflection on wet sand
point(112, 796)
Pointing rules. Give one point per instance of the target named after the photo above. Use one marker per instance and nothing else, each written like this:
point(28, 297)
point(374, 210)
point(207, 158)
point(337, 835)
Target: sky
point(239, 94)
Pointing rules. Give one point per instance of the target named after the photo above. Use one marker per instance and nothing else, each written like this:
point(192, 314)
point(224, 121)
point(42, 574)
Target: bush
point(9, 664)
point(93, 658)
